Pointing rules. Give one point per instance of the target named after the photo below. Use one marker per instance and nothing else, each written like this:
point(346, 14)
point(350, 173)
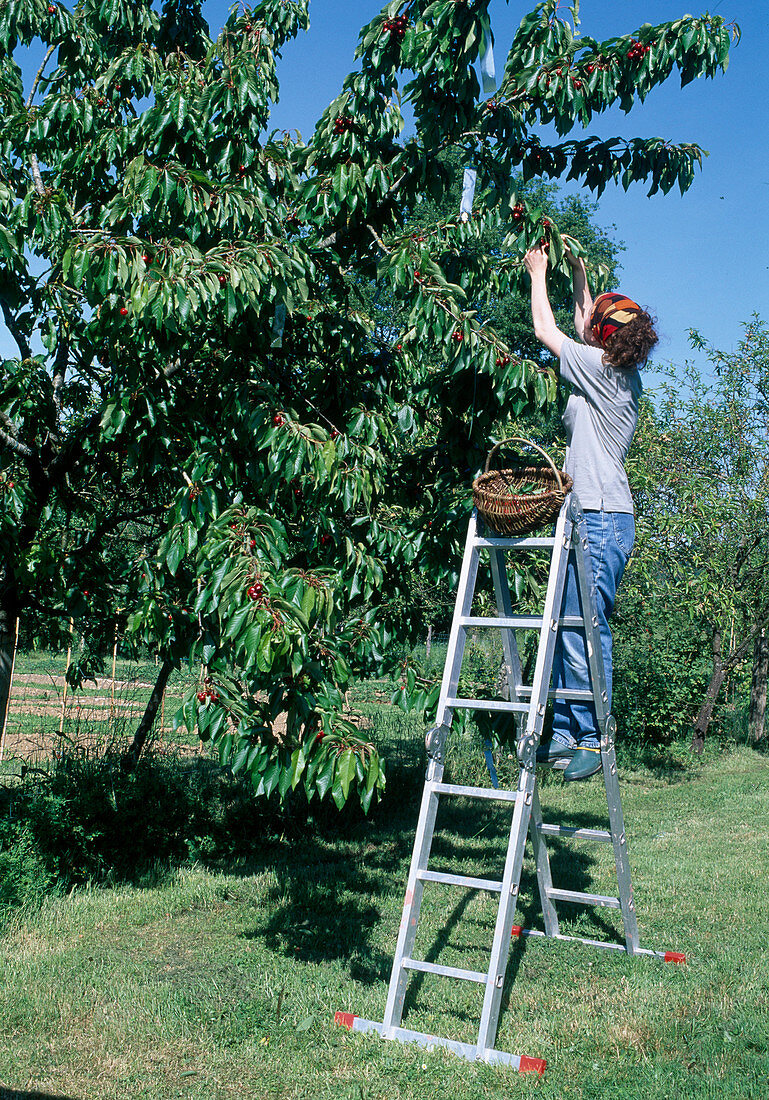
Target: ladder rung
point(498, 542)
point(584, 899)
point(521, 622)
point(495, 794)
point(461, 880)
point(559, 693)
point(445, 971)
point(577, 834)
point(487, 704)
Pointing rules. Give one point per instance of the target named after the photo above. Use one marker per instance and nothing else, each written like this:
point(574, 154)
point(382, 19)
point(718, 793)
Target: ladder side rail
point(458, 633)
point(542, 864)
point(607, 725)
point(508, 901)
point(412, 904)
point(513, 672)
point(547, 638)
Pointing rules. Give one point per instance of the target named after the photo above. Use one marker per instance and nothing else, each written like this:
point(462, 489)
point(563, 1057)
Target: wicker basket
point(508, 510)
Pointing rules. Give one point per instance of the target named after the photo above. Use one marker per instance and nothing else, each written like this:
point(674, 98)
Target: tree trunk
point(758, 685)
point(717, 678)
point(132, 754)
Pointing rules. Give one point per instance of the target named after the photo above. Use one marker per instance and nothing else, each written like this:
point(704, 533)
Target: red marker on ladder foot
point(516, 930)
point(532, 1065)
point(675, 957)
point(344, 1019)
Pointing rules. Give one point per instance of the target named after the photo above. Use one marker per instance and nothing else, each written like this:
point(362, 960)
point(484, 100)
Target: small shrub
point(25, 877)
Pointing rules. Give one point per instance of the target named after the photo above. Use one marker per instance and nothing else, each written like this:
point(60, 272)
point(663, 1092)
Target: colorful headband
point(611, 312)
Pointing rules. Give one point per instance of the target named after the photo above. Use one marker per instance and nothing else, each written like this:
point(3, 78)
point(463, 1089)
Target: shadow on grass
point(327, 903)
point(14, 1094)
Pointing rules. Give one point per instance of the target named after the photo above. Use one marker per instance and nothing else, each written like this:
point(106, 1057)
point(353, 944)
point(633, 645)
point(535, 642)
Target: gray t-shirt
point(600, 418)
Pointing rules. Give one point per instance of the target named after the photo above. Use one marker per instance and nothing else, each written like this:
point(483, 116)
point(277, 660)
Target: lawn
point(210, 984)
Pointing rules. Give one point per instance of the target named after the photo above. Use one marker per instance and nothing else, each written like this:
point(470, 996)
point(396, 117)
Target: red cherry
point(589, 69)
point(86, 593)
point(319, 737)
point(252, 543)
point(222, 280)
point(202, 696)
point(51, 9)
point(334, 434)
point(123, 311)
point(577, 83)
point(398, 347)
point(147, 259)
point(278, 420)
point(457, 336)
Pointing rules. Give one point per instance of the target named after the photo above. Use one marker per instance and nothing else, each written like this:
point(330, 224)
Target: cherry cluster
point(343, 123)
point(256, 591)
point(502, 361)
point(637, 50)
point(396, 27)
point(457, 336)
point(208, 693)
point(518, 212)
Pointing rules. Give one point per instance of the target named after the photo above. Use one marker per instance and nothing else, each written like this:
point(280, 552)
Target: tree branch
point(59, 371)
point(36, 177)
point(36, 81)
point(16, 445)
point(15, 331)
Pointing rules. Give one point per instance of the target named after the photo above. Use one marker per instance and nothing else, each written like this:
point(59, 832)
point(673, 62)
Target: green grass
point(225, 985)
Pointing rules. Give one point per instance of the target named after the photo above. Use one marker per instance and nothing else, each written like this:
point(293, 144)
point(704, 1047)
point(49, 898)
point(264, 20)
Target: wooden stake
point(112, 690)
point(69, 661)
point(10, 689)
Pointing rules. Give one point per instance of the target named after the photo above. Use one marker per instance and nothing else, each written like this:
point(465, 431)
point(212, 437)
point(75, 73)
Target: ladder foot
point(676, 957)
point(532, 1065)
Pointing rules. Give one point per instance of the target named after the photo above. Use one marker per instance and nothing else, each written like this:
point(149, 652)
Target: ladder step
point(445, 971)
point(499, 542)
point(584, 899)
point(487, 704)
point(461, 880)
point(559, 693)
point(495, 794)
point(576, 834)
point(522, 622)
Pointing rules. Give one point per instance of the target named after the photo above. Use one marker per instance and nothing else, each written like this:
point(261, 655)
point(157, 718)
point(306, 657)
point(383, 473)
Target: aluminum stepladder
point(529, 704)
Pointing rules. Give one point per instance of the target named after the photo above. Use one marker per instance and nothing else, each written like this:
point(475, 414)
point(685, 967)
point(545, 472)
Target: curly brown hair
point(631, 344)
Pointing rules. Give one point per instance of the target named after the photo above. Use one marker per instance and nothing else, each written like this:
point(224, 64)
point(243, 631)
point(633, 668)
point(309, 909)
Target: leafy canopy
point(205, 423)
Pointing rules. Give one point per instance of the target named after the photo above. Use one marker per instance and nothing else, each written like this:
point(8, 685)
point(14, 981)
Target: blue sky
point(699, 260)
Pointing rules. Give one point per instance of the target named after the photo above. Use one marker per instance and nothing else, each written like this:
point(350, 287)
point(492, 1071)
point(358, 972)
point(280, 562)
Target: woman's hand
point(535, 261)
point(576, 261)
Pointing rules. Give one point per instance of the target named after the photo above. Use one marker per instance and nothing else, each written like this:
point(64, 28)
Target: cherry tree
point(204, 422)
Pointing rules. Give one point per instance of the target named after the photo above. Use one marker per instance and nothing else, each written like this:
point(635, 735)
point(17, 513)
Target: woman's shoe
point(584, 763)
point(556, 754)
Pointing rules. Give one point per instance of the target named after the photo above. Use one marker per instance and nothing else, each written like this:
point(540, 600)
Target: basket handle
point(526, 443)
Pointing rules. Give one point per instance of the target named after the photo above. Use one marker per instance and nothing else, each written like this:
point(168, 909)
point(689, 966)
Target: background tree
point(700, 476)
point(194, 354)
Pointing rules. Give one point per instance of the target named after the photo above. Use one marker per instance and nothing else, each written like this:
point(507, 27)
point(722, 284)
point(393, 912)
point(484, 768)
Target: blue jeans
point(610, 536)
